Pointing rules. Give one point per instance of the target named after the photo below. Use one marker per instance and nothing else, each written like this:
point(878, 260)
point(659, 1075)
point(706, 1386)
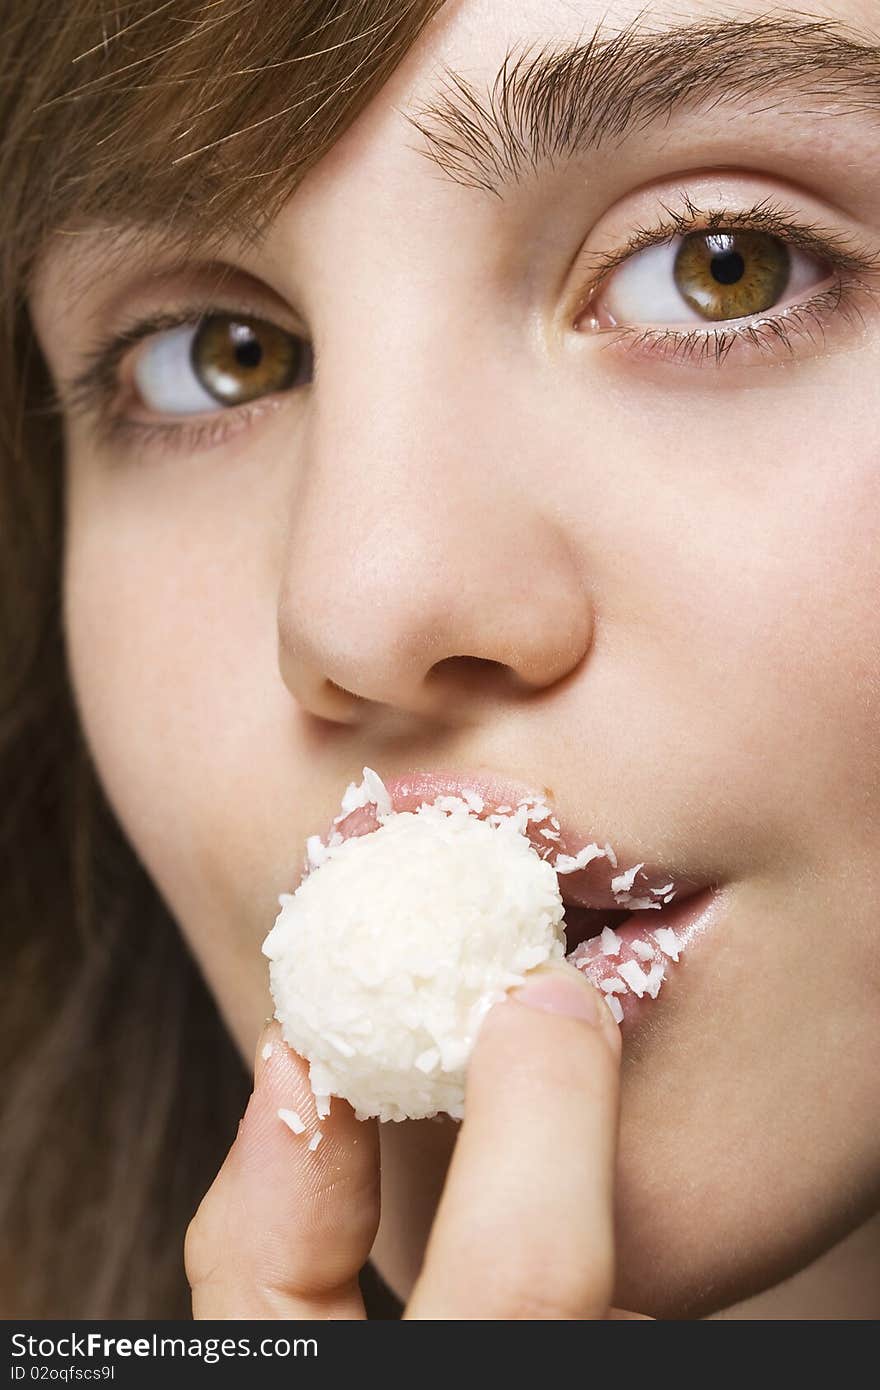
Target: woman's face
point(533, 516)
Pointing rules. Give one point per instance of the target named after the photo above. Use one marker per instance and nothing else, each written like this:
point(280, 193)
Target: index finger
point(525, 1225)
point(290, 1218)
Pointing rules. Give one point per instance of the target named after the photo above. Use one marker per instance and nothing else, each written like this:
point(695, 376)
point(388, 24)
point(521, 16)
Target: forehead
point(477, 39)
point(468, 98)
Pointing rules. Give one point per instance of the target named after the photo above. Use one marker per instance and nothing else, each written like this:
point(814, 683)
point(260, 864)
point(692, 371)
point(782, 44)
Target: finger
point(525, 1224)
point(285, 1228)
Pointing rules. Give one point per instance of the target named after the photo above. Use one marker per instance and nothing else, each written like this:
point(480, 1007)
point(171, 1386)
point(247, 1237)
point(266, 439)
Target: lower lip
point(688, 920)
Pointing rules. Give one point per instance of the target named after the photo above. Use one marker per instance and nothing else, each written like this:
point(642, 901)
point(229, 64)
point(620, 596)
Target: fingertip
point(269, 1038)
point(559, 989)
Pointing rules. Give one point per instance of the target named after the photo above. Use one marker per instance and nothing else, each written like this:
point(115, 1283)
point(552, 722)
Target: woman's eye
point(706, 277)
point(224, 360)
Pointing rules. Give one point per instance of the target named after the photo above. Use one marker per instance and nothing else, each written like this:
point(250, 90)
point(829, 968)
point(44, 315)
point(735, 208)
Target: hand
point(524, 1229)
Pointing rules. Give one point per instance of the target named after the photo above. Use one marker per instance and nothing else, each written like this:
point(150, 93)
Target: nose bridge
point(412, 541)
point(385, 504)
point(401, 436)
point(400, 413)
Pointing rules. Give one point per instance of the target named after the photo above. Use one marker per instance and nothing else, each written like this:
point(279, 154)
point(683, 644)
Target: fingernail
point(557, 992)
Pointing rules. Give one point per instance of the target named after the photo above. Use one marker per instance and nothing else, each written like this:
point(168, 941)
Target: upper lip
point(602, 884)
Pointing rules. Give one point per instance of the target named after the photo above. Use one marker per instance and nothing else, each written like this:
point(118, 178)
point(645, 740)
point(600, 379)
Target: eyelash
point(94, 392)
point(95, 389)
point(770, 334)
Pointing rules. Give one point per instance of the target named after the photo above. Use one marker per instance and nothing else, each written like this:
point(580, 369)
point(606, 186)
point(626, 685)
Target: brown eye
point(238, 359)
point(731, 275)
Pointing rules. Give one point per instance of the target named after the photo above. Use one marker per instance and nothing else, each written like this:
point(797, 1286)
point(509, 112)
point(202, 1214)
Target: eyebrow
point(555, 103)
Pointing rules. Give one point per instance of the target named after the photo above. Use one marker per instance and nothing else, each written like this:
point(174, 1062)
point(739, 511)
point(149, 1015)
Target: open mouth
point(583, 923)
point(625, 928)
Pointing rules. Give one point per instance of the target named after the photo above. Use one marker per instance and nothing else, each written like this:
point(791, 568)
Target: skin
point(678, 568)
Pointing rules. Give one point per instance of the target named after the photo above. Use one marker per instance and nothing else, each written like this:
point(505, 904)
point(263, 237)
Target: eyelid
point(842, 250)
point(90, 390)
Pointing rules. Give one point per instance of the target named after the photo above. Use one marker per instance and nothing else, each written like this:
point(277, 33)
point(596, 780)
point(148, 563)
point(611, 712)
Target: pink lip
point(601, 884)
point(612, 880)
point(644, 974)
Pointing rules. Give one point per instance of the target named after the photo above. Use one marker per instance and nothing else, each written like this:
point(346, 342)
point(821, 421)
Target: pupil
point(729, 268)
point(249, 353)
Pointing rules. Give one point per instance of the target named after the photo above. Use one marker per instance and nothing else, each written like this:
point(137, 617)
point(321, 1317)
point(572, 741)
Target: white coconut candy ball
point(386, 959)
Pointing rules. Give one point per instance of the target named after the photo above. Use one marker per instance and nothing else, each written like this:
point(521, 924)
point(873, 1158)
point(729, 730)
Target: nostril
point(472, 672)
point(341, 690)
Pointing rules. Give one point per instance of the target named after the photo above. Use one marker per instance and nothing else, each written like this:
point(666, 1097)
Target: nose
point(421, 570)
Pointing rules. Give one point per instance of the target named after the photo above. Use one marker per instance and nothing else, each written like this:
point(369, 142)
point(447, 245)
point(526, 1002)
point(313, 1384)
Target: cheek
point(171, 629)
point(766, 600)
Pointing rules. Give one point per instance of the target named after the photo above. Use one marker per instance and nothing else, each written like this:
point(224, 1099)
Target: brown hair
point(121, 1089)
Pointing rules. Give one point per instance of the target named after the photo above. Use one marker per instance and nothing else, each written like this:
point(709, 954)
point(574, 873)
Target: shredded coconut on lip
point(388, 1019)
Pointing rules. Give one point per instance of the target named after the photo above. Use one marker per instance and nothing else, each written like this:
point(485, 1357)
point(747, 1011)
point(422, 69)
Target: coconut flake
point(637, 904)
point(266, 1052)
point(624, 882)
point(354, 796)
point(322, 1106)
point(667, 941)
point(503, 810)
point(614, 1006)
point(610, 942)
point(339, 1043)
point(642, 950)
point(474, 800)
point(429, 1060)
point(316, 853)
point(665, 889)
point(314, 1141)
point(634, 976)
point(549, 834)
point(570, 863)
point(292, 1120)
point(609, 854)
point(612, 985)
point(378, 792)
point(655, 977)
